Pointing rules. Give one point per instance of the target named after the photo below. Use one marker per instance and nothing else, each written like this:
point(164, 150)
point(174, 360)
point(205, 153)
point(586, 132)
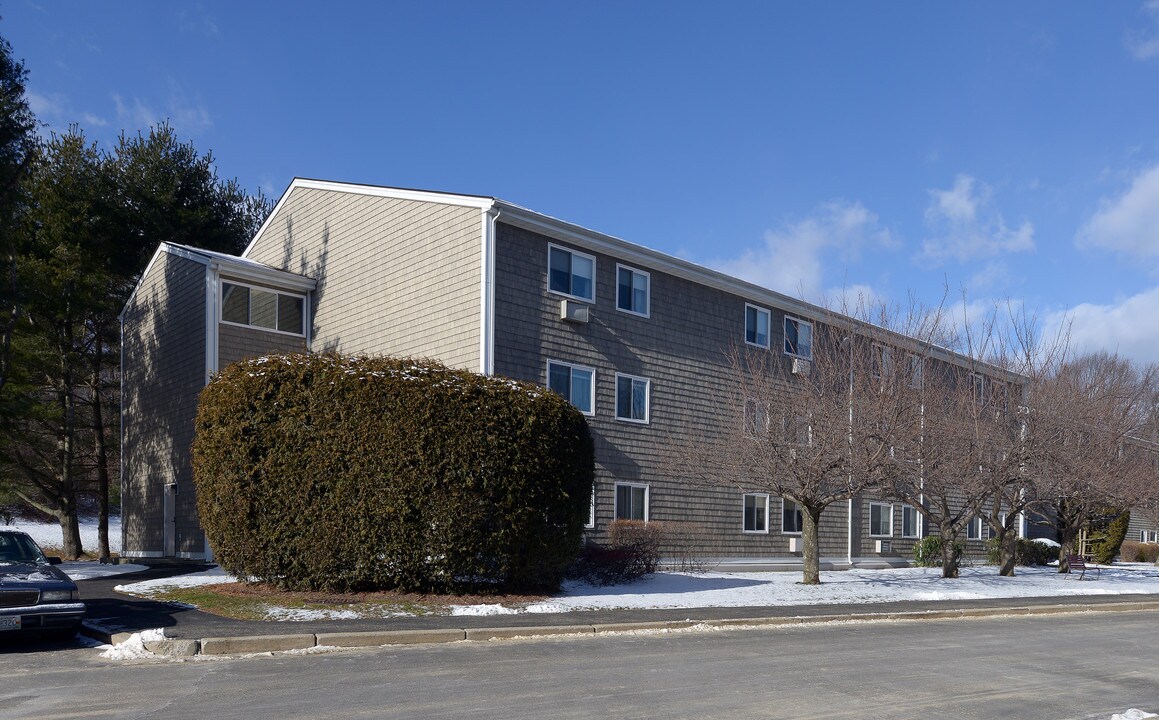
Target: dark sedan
point(35, 596)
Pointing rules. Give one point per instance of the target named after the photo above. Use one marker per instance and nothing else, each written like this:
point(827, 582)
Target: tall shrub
point(349, 473)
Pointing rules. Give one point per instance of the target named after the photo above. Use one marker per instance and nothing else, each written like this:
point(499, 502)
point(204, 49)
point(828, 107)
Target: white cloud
point(791, 259)
point(1121, 327)
point(995, 274)
point(1128, 223)
point(965, 227)
point(186, 115)
point(44, 105)
point(1144, 43)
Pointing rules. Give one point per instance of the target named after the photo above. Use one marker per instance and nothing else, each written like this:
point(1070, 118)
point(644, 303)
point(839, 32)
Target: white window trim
point(975, 522)
point(647, 399)
point(769, 324)
point(917, 522)
point(616, 498)
point(591, 523)
point(221, 304)
point(744, 498)
point(916, 371)
point(784, 337)
point(573, 251)
point(573, 366)
point(647, 296)
point(890, 526)
point(801, 510)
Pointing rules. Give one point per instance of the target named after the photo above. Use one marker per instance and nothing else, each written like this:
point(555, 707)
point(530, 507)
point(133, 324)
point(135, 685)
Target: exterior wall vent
point(801, 366)
point(882, 546)
point(572, 311)
point(796, 544)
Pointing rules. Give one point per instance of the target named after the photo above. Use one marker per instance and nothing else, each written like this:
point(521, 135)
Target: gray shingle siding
point(395, 277)
point(236, 343)
point(680, 348)
point(164, 370)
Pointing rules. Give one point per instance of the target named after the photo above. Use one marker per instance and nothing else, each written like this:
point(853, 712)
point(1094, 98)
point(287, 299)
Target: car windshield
point(19, 548)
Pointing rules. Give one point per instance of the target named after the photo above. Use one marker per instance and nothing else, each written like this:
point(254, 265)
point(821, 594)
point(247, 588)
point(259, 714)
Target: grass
point(257, 601)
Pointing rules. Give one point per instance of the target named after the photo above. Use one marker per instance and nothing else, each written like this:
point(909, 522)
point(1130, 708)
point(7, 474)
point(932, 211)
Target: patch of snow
point(134, 647)
point(482, 610)
point(149, 588)
point(1047, 541)
point(1133, 714)
point(305, 615)
point(49, 534)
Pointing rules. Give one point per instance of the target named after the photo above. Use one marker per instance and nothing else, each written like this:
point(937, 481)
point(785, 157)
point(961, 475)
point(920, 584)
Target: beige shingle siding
point(680, 348)
point(164, 370)
point(394, 276)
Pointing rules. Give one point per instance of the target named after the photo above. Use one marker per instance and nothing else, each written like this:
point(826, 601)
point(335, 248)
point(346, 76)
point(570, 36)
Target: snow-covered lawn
point(756, 589)
point(48, 535)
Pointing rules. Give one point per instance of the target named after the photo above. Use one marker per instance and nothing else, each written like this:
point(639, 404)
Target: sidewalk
point(112, 618)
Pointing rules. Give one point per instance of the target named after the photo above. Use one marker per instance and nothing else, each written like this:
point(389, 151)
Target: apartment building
point(634, 338)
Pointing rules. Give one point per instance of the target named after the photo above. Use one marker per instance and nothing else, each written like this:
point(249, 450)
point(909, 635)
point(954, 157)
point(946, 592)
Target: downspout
point(487, 294)
point(849, 503)
point(212, 278)
point(121, 448)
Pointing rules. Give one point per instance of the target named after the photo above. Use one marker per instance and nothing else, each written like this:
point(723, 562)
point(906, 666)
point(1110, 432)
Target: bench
point(1077, 563)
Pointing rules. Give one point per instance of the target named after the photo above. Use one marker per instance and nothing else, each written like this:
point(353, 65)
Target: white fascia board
point(164, 247)
point(630, 252)
point(264, 275)
point(473, 201)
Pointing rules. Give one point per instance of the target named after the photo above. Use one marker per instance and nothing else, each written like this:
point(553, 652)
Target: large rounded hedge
point(324, 472)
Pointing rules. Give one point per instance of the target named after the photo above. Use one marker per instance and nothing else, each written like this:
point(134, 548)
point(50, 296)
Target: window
point(1148, 536)
point(591, 523)
point(882, 364)
point(797, 430)
point(632, 290)
point(631, 502)
point(798, 338)
point(974, 529)
point(756, 418)
point(571, 273)
point(915, 371)
point(880, 520)
point(631, 398)
point(258, 307)
point(909, 522)
point(574, 382)
point(756, 513)
point(1002, 521)
point(791, 522)
point(756, 326)
point(978, 386)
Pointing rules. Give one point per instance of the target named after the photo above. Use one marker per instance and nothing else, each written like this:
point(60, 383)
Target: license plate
point(10, 623)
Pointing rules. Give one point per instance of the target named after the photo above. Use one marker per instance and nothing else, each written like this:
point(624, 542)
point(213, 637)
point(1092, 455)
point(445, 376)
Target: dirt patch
point(271, 595)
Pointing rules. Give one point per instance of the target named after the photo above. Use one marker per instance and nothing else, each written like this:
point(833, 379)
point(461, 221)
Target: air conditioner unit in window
point(882, 546)
point(801, 366)
point(796, 544)
point(572, 311)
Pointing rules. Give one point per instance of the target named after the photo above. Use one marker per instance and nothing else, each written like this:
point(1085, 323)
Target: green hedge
point(324, 472)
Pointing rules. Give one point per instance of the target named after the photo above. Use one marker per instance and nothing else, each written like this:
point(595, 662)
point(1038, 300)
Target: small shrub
point(601, 565)
point(1132, 551)
point(1105, 541)
point(681, 546)
point(641, 540)
point(1026, 552)
point(928, 551)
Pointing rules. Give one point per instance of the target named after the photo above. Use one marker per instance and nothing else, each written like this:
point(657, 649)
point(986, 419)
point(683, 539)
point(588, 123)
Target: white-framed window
point(633, 290)
point(791, 519)
point(974, 529)
point(756, 418)
point(1002, 521)
point(1148, 536)
point(575, 382)
point(262, 308)
point(882, 363)
point(910, 522)
point(571, 273)
point(756, 513)
point(915, 371)
point(631, 501)
point(756, 325)
point(591, 523)
point(880, 520)
point(978, 387)
point(798, 338)
point(632, 398)
point(797, 429)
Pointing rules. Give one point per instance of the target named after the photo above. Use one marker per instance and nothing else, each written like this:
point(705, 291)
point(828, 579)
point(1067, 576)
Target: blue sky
point(1008, 149)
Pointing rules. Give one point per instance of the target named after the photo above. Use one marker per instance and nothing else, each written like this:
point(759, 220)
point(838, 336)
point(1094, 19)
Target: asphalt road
point(1071, 666)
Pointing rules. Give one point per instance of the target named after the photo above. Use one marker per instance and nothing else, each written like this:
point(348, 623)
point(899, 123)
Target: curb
point(243, 645)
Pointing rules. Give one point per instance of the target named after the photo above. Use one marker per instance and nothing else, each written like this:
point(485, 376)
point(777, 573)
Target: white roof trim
point(162, 248)
point(471, 201)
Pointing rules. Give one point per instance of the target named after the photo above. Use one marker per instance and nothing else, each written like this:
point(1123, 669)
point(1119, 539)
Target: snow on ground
point(48, 535)
point(757, 589)
point(87, 569)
